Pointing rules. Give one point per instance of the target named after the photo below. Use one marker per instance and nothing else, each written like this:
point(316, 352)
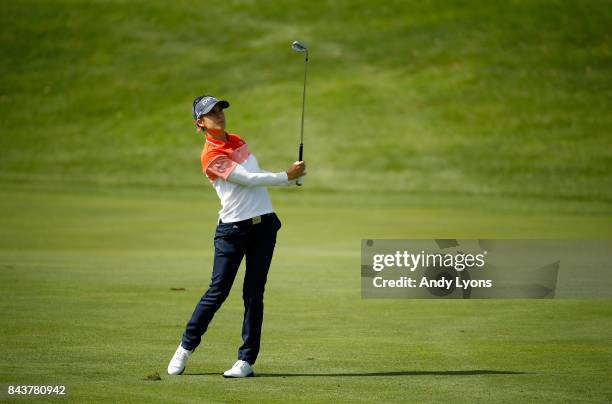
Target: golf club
point(299, 47)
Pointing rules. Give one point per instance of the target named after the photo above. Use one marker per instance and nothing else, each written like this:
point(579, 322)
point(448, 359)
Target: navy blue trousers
point(233, 241)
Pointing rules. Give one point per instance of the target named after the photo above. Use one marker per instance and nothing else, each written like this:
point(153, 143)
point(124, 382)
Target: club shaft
point(303, 105)
point(300, 180)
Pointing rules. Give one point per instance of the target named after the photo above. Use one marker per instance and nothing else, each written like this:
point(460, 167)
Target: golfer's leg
point(228, 255)
point(258, 258)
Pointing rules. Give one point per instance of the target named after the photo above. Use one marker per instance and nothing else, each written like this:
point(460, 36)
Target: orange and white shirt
point(239, 181)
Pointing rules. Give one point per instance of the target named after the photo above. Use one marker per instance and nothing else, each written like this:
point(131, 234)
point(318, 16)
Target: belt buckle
point(257, 219)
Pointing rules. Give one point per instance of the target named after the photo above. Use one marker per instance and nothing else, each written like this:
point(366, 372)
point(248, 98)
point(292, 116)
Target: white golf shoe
point(240, 369)
point(179, 361)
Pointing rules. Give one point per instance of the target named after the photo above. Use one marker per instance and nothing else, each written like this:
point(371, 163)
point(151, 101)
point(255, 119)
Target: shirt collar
point(217, 142)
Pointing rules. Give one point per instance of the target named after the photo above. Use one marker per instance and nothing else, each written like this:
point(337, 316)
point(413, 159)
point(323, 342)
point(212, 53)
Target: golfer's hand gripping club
point(297, 170)
point(300, 181)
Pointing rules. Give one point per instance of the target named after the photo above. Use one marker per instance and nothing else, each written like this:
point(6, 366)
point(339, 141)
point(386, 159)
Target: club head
point(298, 47)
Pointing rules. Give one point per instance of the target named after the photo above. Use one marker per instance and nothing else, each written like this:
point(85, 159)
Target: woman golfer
point(247, 227)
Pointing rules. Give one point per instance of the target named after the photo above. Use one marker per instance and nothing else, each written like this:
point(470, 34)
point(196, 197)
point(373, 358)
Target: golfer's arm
point(242, 176)
point(290, 182)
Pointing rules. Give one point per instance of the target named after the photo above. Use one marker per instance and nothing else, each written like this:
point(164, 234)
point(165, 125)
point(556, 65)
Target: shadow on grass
point(398, 373)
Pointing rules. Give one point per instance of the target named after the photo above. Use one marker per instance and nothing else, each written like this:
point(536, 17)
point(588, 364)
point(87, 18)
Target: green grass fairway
point(424, 119)
point(86, 301)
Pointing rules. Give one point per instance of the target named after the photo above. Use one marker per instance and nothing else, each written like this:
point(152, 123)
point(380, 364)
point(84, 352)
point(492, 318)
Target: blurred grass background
point(450, 119)
point(478, 98)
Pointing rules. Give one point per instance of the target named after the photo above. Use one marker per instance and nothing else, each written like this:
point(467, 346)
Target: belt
point(253, 220)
